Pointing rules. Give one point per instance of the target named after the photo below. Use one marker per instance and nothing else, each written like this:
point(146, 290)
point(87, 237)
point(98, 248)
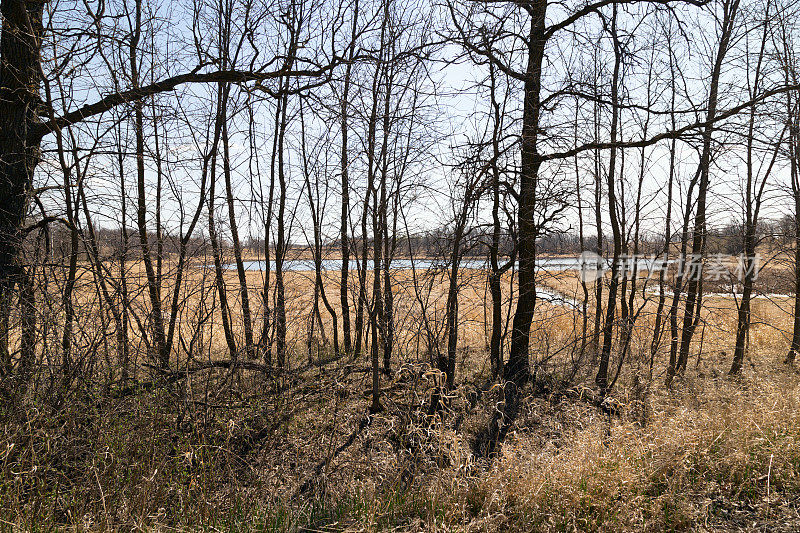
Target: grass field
point(223, 450)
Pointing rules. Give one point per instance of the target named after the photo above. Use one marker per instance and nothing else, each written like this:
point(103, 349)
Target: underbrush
point(724, 457)
point(712, 454)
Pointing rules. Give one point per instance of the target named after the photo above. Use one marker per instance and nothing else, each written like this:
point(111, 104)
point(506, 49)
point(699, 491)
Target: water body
point(542, 263)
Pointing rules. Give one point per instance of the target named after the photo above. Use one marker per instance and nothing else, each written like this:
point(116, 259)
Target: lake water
point(542, 263)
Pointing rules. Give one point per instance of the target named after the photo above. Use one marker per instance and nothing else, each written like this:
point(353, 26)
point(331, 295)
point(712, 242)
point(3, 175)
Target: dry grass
point(240, 451)
point(705, 460)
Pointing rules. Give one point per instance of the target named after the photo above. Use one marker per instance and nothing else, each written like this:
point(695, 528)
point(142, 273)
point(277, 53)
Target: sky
point(452, 113)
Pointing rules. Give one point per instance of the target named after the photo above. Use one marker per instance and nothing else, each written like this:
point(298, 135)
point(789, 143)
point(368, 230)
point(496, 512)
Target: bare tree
point(727, 23)
point(755, 183)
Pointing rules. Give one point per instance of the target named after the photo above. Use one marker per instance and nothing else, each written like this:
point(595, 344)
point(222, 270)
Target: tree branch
point(117, 98)
point(673, 134)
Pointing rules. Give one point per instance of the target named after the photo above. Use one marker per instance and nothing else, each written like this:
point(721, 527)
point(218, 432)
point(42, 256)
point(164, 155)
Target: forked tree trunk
point(608, 329)
point(752, 207)
point(249, 346)
point(517, 370)
point(698, 233)
point(216, 250)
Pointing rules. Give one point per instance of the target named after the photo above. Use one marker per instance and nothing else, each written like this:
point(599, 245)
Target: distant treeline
point(437, 242)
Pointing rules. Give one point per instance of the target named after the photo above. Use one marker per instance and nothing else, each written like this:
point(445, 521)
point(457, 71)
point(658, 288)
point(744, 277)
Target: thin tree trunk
point(72, 267)
point(664, 265)
point(316, 219)
point(495, 273)
point(157, 319)
point(249, 347)
point(794, 153)
point(752, 207)
point(345, 184)
point(608, 330)
point(598, 213)
point(219, 278)
point(698, 233)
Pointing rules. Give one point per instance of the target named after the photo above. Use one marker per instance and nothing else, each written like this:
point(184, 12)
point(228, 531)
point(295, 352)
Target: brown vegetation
point(359, 265)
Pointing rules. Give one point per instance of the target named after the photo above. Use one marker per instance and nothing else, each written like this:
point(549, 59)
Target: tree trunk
point(345, 183)
point(794, 348)
point(698, 233)
point(216, 251)
point(608, 329)
point(20, 77)
point(249, 347)
point(517, 369)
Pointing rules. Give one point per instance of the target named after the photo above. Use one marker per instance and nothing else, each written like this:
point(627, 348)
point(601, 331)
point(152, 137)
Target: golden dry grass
point(234, 451)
